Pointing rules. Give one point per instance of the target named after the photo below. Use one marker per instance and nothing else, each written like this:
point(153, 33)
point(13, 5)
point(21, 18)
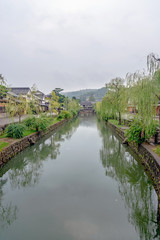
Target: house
point(41, 98)
point(24, 92)
point(86, 105)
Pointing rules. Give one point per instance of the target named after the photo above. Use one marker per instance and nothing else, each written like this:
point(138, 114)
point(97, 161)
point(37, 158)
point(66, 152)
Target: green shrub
point(64, 115)
point(134, 132)
point(42, 123)
point(139, 132)
point(151, 129)
point(15, 130)
point(30, 122)
point(73, 112)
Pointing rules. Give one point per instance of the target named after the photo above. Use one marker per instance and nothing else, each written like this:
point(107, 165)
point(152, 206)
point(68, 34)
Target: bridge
point(87, 109)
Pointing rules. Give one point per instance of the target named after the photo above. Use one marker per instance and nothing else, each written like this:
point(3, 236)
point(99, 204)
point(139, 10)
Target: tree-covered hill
point(86, 93)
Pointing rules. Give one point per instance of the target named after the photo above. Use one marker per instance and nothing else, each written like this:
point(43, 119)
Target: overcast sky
point(75, 44)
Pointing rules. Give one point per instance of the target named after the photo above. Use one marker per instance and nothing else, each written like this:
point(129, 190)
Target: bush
point(64, 115)
point(30, 122)
point(42, 122)
point(139, 133)
point(15, 130)
point(134, 132)
point(73, 113)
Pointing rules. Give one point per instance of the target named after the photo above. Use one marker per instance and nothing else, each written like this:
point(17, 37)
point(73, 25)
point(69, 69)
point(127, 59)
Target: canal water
point(78, 183)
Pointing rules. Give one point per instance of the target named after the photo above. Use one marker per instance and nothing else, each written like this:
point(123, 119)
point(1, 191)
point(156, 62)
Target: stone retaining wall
point(148, 158)
point(18, 146)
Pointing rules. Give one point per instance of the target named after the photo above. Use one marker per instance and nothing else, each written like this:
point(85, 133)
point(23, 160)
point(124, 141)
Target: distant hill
point(87, 93)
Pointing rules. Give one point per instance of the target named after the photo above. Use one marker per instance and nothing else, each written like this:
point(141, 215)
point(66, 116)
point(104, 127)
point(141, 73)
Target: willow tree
point(117, 95)
point(142, 93)
point(3, 89)
point(53, 103)
point(34, 105)
point(16, 106)
point(107, 107)
point(73, 106)
point(153, 67)
point(153, 63)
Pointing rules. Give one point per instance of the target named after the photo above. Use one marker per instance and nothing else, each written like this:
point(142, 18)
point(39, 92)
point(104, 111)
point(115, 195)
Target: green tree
point(142, 92)
point(61, 96)
point(73, 106)
point(34, 102)
point(16, 106)
point(117, 96)
point(53, 103)
point(3, 89)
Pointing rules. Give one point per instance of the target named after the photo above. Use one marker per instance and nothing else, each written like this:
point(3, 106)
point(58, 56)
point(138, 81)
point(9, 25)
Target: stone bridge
point(86, 112)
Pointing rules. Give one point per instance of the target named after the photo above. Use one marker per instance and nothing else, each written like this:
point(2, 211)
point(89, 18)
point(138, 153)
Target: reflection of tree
point(25, 169)
point(8, 213)
point(134, 185)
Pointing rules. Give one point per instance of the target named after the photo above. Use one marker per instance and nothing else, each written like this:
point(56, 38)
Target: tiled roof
point(18, 91)
point(86, 103)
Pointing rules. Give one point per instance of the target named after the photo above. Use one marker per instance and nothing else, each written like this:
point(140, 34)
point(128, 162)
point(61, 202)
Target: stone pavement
point(7, 120)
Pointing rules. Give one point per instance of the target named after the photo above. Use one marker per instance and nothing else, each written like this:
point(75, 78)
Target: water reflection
point(8, 212)
point(24, 172)
point(134, 186)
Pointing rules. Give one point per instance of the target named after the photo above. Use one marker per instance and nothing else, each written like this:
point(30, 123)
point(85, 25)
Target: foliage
point(61, 97)
point(139, 133)
point(153, 63)
point(53, 103)
point(42, 122)
point(115, 122)
point(64, 115)
point(72, 105)
point(141, 93)
point(3, 89)
point(15, 130)
point(30, 121)
point(157, 150)
point(28, 132)
point(16, 106)
point(116, 97)
point(3, 145)
point(84, 94)
point(114, 103)
point(33, 105)
point(134, 132)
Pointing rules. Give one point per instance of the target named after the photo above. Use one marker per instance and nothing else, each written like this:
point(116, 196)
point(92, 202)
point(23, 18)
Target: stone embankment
point(149, 159)
point(19, 145)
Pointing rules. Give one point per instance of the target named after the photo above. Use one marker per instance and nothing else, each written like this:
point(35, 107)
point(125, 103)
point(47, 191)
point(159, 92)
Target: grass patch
point(115, 122)
point(3, 145)
point(28, 132)
point(4, 135)
point(157, 150)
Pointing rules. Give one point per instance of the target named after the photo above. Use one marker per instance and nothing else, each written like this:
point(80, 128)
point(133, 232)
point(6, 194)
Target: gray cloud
point(75, 44)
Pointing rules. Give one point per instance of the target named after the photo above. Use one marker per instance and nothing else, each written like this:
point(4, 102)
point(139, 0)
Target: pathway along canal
point(78, 183)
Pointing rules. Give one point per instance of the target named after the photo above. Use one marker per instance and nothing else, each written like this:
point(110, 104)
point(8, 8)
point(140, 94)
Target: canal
point(77, 183)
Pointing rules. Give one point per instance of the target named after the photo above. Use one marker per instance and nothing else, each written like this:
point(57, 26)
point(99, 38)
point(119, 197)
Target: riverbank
point(19, 145)
point(149, 159)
